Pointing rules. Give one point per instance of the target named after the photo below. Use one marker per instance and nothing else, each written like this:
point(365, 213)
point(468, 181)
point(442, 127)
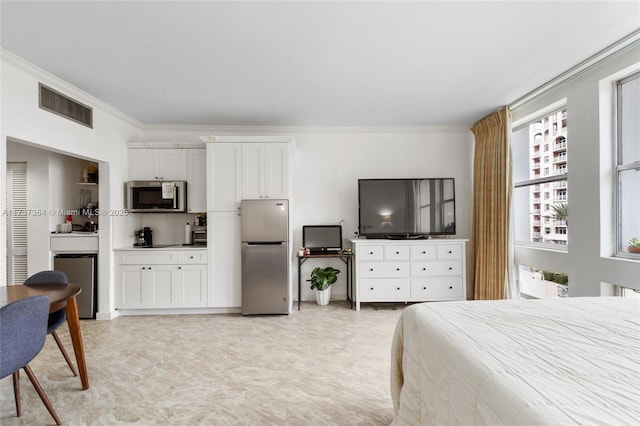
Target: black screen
point(322, 238)
point(406, 207)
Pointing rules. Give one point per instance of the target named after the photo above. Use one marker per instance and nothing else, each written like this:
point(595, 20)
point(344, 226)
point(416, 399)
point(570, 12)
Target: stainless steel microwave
point(157, 196)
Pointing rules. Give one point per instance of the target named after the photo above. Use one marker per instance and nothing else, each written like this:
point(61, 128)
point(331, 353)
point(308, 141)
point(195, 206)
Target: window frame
point(619, 167)
point(531, 119)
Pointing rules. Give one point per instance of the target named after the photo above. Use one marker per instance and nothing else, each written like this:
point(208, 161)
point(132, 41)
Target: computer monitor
point(322, 238)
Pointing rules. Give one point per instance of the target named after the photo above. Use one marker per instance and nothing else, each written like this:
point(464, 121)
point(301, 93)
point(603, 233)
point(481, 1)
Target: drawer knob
point(398, 288)
point(450, 268)
point(371, 269)
point(190, 257)
point(397, 269)
point(370, 252)
point(144, 267)
point(450, 251)
point(424, 288)
point(450, 287)
point(397, 252)
point(424, 269)
point(149, 267)
point(424, 252)
point(371, 288)
point(179, 267)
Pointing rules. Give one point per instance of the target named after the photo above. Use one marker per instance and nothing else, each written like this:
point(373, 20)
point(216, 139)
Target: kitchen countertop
point(74, 234)
point(164, 247)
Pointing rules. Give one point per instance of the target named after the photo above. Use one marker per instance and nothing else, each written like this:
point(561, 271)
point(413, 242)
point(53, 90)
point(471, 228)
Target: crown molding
point(221, 130)
point(66, 88)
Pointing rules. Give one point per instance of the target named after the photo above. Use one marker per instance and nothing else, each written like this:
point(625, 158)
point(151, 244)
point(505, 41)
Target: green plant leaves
point(322, 278)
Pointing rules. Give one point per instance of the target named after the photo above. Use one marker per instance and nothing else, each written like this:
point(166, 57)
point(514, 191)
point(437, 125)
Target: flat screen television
point(322, 238)
point(406, 208)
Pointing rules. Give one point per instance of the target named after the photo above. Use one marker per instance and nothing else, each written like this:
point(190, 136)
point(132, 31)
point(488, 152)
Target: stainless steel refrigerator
point(265, 257)
point(81, 269)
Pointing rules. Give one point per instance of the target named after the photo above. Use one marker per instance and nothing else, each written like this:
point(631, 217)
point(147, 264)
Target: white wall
point(588, 261)
point(22, 120)
point(328, 162)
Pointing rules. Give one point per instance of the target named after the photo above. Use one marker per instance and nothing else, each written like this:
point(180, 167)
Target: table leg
point(73, 320)
point(299, 272)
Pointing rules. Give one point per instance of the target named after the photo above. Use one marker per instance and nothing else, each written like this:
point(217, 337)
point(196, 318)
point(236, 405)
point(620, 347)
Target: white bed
point(518, 362)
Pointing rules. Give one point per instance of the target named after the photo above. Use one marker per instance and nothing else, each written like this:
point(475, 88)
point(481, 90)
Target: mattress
point(518, 362)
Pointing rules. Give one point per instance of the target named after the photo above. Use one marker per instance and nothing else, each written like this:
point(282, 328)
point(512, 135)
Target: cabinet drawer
point(371, 253)
point(147, 257)
point(391, 289)
point(384, 269)
point(423, 252)
point(396, 252)
point(423, 269)
point(450, 251)
point(437, 287)
point(192, 257)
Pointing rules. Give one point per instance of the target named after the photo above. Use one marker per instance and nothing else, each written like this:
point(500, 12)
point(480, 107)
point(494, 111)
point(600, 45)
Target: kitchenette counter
point(74, 234)
point(163, 247)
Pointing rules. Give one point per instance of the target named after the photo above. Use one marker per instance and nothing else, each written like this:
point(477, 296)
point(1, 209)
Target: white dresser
point(409, 270)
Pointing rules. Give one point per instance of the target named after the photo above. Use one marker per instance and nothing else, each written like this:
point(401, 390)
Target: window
point(530, 187)
point(628, 164)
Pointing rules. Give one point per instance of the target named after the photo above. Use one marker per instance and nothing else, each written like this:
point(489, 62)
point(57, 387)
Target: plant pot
point(633, 249)
point(323, 296)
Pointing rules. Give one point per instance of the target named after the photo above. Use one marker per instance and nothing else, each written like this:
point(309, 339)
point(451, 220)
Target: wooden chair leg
point(43, 396)
point(16, 390)
point(64, 353)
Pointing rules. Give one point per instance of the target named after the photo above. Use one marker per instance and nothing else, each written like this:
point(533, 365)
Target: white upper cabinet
point(246, 170)
point(265, 170)
point(197, 180)
point(157, 164)
point(224, 166)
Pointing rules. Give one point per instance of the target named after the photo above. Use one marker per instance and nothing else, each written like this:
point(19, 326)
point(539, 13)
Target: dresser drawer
point(436, 287)
point(384, 269)
point(192, 257)
point(450, 251)
point(396, 253)
point(388, 289)
point(423, 252)
point(432, 268)
point(371, 253)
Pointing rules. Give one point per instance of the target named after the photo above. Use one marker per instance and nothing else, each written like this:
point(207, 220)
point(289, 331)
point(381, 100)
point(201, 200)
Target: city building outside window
point(546, 133)
point(628, 167)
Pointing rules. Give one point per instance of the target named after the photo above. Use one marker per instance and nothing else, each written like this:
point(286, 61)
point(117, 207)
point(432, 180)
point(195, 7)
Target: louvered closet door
point(16, 222)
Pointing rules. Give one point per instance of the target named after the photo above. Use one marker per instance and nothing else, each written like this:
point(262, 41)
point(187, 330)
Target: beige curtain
point(491, 198)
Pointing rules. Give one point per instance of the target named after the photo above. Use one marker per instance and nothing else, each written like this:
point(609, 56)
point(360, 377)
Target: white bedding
point(518, 362)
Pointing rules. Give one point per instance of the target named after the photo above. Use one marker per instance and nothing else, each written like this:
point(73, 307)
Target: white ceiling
point(392, 63)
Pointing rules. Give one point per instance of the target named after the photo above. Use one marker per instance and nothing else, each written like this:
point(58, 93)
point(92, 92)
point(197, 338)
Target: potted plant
point(321, 281)
point(634, 245)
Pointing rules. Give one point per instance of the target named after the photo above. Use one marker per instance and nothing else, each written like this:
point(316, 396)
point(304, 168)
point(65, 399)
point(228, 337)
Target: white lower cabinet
point(409, 271)
point(161, 279)
point(223, 234)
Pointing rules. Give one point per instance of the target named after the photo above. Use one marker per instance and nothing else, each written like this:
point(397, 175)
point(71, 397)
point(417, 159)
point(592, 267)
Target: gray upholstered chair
point(23, 328)
point(56, 319)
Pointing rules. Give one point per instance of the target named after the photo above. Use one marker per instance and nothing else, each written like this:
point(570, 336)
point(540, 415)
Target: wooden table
point(60, 296)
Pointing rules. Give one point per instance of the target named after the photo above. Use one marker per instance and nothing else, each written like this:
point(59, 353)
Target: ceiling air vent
point(57, 103)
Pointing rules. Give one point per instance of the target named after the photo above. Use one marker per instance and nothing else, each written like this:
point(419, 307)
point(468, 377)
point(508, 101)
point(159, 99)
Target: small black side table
point(346, 259)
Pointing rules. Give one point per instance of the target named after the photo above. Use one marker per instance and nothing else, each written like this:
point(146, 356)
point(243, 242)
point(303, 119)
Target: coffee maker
point(143, 237)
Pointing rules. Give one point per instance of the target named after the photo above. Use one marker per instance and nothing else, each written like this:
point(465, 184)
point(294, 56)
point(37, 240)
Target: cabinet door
point(146, 286)
point(160, 290)
point(171, 164)
point(142, 164)
point(129, 287)
point(196, 180)
point(191, 285)
point(253, 172)
point(224, 167)
point(276, 170)
point(223, 234)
